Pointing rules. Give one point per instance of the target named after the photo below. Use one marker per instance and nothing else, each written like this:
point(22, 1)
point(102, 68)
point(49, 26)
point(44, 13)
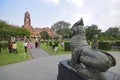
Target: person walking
point(28, 44)
point(36, 44)
point(31, 44)
point(10, 46)
point(56, 46)
point(62, 43)
point(25, 46)
point(14, 46)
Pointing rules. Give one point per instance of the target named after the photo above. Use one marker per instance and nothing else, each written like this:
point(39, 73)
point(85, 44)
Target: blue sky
point(44, 13)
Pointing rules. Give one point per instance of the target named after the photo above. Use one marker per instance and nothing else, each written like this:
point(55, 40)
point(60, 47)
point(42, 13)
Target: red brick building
point(36, 31)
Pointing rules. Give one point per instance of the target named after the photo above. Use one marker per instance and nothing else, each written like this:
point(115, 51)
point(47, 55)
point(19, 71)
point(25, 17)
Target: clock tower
point(27, 22)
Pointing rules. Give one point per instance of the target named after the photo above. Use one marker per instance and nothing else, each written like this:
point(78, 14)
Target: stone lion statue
point(86, 60)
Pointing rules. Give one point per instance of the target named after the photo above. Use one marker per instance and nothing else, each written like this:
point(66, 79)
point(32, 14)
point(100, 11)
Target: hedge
point(42, 41)
point(67, 46)
point(56, 42)
point(3, 45)
point(118, 43)
point(50, 43)
point(104, 45)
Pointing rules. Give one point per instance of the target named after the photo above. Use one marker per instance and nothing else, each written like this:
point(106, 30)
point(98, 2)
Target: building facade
point(35, 32)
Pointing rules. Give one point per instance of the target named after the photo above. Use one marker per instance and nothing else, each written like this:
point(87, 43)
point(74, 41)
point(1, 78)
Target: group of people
point(29, 45)
point(12, 46)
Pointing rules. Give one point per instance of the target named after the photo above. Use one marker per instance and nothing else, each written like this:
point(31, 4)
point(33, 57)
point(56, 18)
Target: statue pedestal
point(66, 72)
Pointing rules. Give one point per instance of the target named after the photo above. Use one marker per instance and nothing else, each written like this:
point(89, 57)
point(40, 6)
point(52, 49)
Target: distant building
point(35, 32)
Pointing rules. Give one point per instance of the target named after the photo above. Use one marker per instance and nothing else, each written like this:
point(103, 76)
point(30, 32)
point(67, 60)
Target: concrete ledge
point(66, 72)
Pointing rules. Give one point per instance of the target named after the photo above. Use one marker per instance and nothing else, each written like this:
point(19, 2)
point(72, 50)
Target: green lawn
point(114, 50)
point(51, 51)
point(9, 58)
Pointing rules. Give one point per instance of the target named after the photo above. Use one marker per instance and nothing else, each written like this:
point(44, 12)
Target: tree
point(7, 31)
point(66, 32)
point(113, 32)
point(105, 37)
point(62, 28)
point(44, 35)
point(92, 31)
point(22, 32)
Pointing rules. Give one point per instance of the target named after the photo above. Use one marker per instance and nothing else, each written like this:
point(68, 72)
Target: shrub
point(46, 42)
point(42, 41)
point(3, 45)
point(115, 45)
point(50, 43)
point(67, 46)
point(104, 45)
point(89, 42)
point(118, 43)
point(56, 43)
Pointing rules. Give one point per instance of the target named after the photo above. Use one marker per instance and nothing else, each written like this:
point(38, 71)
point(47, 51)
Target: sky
point(44, 13)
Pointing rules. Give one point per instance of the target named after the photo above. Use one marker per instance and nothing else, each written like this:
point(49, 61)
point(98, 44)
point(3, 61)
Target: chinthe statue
point(85, 59)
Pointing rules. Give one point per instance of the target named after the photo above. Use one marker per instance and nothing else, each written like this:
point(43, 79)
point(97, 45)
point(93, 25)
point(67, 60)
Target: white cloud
point(114, 1)
point(78, 3)
point(114, 12)
point(86, 18)
point(109, 20)
point(115, 4)
point(64, 11)
point(52, 1)
point(112, 17)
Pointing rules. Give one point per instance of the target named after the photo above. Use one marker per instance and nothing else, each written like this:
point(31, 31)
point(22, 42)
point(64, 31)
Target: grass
point(114, 50)
point(9, 58)
point(51, 51)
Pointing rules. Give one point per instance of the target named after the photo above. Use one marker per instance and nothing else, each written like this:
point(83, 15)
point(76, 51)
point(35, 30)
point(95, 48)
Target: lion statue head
point(78, 28)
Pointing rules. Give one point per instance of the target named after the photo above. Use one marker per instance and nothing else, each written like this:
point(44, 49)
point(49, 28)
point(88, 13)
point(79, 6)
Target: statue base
point(66, 72)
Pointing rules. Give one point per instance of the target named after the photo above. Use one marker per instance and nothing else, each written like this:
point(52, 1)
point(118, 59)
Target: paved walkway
point(37, 53)
point(116, 69)
point(43, 68)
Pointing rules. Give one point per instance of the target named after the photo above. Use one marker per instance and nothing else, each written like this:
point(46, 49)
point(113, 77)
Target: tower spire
point(27, 21)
